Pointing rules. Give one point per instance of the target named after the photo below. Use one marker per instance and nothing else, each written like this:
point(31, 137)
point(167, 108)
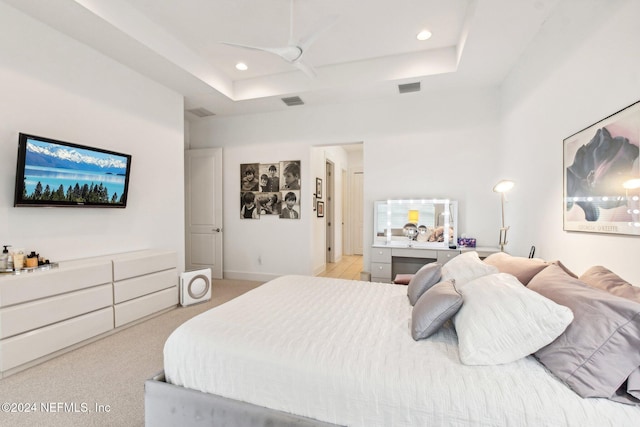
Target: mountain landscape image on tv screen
point(66, 174)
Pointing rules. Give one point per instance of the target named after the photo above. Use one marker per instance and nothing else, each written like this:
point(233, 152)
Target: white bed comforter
point(341, 351)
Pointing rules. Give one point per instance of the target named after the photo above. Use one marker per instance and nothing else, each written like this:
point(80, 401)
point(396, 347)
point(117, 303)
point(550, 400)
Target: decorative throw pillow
point(523, 268)
point(603, 278)
point(599, 350)
point(502, 321)
point(466, 267)
point(437, 305)
point(426, 277)
point(403, 279)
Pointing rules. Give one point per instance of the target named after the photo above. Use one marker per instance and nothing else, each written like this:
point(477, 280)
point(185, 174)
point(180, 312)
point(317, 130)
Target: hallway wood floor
point(349, 267)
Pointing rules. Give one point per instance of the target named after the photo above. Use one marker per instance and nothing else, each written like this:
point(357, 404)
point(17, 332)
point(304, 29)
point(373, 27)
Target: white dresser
point(45, 313)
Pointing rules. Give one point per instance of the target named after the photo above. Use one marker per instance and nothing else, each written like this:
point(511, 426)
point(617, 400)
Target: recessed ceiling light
point(241, 66)
point(424, 35)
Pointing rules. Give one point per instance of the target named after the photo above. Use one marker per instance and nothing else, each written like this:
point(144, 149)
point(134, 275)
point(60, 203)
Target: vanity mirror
point(416, 223)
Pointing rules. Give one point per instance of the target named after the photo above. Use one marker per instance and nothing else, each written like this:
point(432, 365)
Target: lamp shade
point(414, 216)
point(632, 184)
point(503, 186)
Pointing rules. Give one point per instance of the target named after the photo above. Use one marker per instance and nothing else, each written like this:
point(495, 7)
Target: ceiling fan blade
point(305, 68)
point(327, 23)
point(288, 53)
point(245, 46)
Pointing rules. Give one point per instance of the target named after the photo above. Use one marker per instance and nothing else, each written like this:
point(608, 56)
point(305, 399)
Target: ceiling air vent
point(292, 100)
point(201, 112)
point(409, 87)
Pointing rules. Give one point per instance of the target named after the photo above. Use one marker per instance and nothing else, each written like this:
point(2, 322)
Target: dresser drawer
point(382, 255)
point(69, 277)
point(125, 290)
point(32, 345)
point(134, 264)
point(134, 309)
point(42, 312)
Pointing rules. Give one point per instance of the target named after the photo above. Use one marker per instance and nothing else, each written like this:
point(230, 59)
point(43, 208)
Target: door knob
point(217, 230)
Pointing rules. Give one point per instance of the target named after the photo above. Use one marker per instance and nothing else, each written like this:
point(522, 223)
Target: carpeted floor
point(102, 383)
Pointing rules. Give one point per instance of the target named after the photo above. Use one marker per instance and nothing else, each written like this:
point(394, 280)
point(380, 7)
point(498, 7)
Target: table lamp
point(502, 187)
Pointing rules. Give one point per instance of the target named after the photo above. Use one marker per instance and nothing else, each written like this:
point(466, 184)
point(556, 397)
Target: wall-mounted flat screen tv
point(58, 173)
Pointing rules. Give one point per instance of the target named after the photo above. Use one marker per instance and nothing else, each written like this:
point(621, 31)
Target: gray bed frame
point(170, 405)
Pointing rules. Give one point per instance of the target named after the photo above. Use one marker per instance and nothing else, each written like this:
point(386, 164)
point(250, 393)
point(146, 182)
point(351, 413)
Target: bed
point(303, 350)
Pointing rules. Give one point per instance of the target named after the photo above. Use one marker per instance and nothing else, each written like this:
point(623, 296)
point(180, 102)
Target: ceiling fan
point(295, 49)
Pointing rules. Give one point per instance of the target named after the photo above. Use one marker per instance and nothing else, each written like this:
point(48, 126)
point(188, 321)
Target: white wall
point(55, 87)
point(453, 156)
point(260, 249)
point(583, 68)
point(419, 145)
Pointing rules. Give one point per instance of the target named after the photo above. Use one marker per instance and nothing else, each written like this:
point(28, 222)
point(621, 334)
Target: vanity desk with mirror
point(411, 233)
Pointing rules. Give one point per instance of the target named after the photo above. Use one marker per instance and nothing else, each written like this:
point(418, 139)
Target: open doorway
point(345, 203)
point(334, 230)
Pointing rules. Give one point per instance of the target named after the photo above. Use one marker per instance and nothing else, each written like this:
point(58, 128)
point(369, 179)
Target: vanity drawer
point(382, 255)
point(446, 256)
point(379, 269)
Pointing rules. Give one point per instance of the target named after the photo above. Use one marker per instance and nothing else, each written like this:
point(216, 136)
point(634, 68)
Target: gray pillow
point(437, 305)
point(599, 350)
point(426, 277)
point(603, 278)
point(633, 384)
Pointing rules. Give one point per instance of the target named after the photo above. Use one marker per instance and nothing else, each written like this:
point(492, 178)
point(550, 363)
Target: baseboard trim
point(319, 269)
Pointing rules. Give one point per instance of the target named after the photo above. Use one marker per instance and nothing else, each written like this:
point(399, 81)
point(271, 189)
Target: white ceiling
point(370, 49)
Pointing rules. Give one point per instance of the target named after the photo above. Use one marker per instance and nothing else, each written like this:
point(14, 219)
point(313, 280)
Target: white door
point(357, 182)
point(329, 213)
point(204, 210)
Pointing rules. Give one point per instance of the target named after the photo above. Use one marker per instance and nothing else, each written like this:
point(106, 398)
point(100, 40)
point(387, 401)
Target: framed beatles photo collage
point(271, 189)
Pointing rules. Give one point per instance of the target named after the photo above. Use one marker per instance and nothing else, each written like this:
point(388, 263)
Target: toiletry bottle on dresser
point(18, 260)
point(4, 258)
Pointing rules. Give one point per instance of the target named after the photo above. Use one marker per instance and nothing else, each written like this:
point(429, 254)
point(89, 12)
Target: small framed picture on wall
point(248, 207)
point(269, 177)
point(249, 180)
point(290, 175)
point(320, 209)
point(319, 188)
point(290, 205)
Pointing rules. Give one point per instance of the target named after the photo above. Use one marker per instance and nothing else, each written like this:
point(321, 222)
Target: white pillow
point(466, 267)
point(501, 321)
